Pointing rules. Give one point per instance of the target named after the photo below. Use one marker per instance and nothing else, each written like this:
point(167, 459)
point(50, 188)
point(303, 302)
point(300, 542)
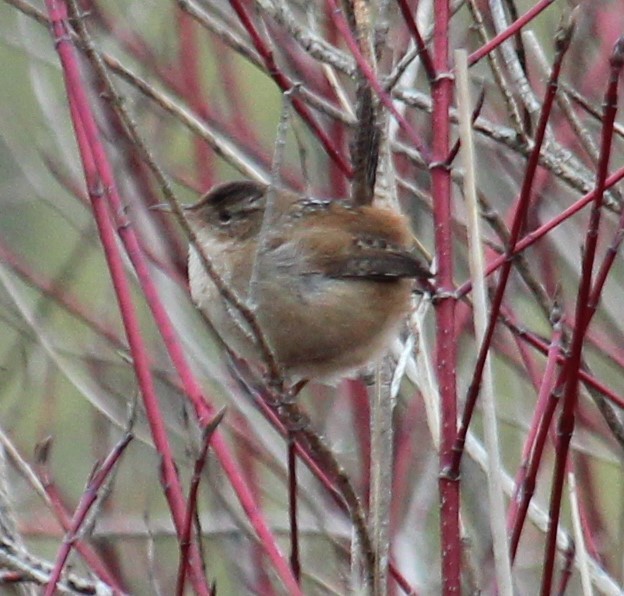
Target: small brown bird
point(328, 281)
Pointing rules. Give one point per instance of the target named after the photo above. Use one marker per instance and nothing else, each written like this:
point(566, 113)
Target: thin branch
point(584, 314)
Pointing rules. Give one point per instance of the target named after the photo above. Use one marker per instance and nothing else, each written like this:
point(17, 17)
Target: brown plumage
point(329, 282)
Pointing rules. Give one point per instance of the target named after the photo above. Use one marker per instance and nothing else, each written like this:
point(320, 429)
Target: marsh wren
point(328, 282)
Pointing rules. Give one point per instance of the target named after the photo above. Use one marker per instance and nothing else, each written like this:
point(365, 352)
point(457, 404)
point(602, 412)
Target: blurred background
point(207, 103)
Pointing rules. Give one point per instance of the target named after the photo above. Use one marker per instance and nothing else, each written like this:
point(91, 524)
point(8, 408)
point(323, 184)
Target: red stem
point(98, 168)
point(442, 94)
point(190, 75)
point(566, 572)
point(583, 318)
point(336, 182)
point(588, 379)
point(185, 538)
point(287, 86)
point(341, 23)
point(360, 410)
point(507, 33)
point(423, 52)
point(87, 553)
point(94, 160)
point(89, 497)
point(534, 445)
point(532, 237)
point(507, 260)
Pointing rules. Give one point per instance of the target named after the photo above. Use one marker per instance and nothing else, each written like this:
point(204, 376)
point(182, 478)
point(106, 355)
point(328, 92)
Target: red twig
point(607, 263)
point(511, 30)
point(445, 351)
point(191, 508)
point(583, 318)
point(96, 170)
point(539, 344)
point(341, 24)
point(534, 444)
point(562, 43)
point(286, 85)
point(190, 71)
point(532, 237)
point(93, 154)
point(566, 572)
point(251, 461)
point(360, 408)
point(99, 475)
point(337, 182)
point(88, 554)
point(423, 52)
point(475, 114)
point(65, 299)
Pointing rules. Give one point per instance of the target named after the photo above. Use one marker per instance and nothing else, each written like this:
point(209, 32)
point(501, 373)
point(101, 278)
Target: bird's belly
point(317, 327)
point(328, 331)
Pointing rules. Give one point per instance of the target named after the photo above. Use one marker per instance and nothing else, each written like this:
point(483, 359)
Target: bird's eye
point(225, 217)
